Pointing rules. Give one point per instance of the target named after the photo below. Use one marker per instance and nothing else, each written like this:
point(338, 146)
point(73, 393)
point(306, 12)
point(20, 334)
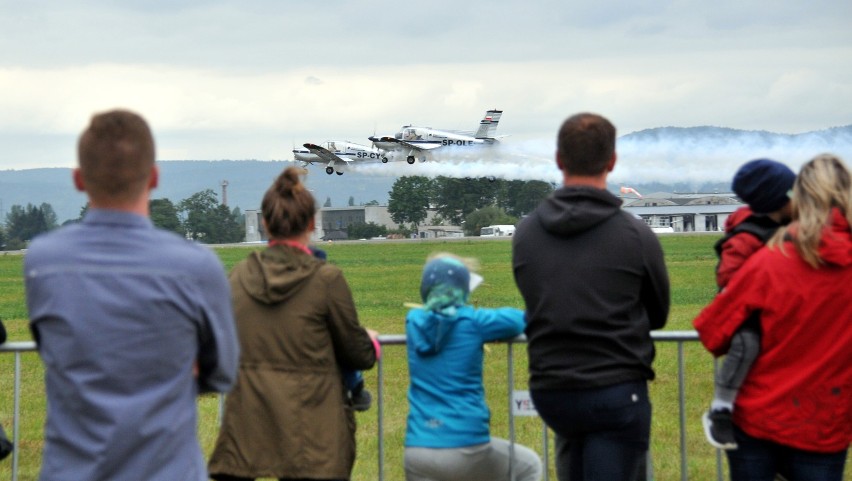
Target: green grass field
point(383, 276)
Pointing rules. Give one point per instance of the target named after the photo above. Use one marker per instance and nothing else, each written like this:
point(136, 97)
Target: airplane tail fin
point(488, 125)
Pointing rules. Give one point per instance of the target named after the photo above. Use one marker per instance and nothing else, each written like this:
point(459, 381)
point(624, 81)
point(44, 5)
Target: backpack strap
point(760, 226)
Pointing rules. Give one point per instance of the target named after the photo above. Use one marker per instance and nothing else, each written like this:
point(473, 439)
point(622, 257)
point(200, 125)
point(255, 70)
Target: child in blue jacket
point(447, 435)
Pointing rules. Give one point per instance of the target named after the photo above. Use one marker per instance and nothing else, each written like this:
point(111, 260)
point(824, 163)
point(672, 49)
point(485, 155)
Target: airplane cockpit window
point(332, 147)
point(409, 134)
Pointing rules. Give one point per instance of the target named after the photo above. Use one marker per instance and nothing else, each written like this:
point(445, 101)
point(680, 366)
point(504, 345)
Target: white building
point(684, 212)
point(681, 212)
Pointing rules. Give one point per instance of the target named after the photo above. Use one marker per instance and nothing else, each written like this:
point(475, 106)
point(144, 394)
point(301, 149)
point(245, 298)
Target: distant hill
point(247, 181)
point(829, 139)
point(673, 159)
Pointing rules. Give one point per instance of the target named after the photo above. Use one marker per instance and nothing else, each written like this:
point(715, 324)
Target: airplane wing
point(325, 154)
point(412, 145)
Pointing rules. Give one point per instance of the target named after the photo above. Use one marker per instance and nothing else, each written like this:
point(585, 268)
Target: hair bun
point(289, 183)
point(288, 206)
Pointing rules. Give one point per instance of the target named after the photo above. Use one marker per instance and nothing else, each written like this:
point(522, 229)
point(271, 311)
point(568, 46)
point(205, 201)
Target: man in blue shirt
point(132, 323)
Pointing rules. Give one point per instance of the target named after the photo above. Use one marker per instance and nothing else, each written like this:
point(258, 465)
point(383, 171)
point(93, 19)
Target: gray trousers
point(745, 346)
point(481, 462)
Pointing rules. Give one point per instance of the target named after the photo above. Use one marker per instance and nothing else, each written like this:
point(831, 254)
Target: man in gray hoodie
point(595, 284)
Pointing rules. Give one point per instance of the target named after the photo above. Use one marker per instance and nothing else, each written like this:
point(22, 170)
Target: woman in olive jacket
point(289, 416)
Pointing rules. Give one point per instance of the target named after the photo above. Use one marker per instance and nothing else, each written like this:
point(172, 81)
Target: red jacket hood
point(835, 247)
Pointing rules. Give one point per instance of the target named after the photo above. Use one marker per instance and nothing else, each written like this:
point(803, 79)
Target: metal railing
point(17, 348)
point(679, 337)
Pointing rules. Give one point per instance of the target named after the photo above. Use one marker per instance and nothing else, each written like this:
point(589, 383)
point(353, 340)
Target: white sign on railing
point(522, 404)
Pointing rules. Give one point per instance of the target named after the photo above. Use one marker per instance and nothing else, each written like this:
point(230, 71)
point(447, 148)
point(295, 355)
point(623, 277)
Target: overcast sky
point(249, 79)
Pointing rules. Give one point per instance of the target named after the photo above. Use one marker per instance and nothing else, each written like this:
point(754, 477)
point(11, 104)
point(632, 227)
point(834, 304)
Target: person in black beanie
point(764, 185)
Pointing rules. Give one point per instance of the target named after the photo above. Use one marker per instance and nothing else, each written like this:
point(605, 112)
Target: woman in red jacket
point(793, 415)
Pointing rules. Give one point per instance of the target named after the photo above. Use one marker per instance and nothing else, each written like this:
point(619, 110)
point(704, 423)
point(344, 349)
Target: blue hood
point(430, 330)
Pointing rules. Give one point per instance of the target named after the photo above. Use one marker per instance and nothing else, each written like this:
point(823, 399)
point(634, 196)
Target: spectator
point(447, 435)
point(793, 413)
point(765, 186)
point(289, 416)
point(132, 323)
point(595, 283)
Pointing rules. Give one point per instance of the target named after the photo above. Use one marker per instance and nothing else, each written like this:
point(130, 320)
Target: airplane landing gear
point(410, 160)
point(384, 160)
point(329, 170)
point(340, 173)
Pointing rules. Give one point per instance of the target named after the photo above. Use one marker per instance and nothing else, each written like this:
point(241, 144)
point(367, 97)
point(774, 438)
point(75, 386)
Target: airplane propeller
point(304, 163)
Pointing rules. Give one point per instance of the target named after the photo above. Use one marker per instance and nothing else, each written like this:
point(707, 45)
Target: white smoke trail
point(529, 160)
point(706, 154)
point(666, 155)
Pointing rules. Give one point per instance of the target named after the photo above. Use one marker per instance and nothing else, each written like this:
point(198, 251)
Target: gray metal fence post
point(511, 382)
point(380, 418)
point(546, 450)
point(16, 416)
point(682, 409)
point(221, 414)
point(718, 451)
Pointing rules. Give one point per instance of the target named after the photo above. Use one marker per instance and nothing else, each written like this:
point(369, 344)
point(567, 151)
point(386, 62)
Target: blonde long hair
point(823, 183)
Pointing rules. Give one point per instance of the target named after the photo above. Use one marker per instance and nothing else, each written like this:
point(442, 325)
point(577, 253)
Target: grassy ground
point(384, 275)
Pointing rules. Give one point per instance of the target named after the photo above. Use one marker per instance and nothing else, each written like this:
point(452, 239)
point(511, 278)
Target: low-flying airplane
point(337, 154)
point(417, 142)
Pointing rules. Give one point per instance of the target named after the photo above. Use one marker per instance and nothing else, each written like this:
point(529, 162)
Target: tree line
point(199, 217)
point(472, 203)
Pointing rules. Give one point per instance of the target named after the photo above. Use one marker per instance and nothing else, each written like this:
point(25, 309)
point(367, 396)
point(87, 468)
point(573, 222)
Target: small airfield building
point(332, 223)
point(663, 211)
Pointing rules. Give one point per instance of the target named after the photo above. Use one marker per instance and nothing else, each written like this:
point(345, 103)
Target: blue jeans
point(759, 460)
point(562, 461)
point(351, 378)
point(607, 429)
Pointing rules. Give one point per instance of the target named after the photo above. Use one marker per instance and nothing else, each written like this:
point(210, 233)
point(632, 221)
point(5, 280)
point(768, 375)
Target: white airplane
point(417, 142)
point(337, 154)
